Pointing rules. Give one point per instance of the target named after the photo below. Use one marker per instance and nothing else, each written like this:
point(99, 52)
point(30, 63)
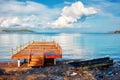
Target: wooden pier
point(36, 53)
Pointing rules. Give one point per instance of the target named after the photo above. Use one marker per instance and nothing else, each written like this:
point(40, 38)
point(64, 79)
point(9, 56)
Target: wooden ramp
point(35, 52)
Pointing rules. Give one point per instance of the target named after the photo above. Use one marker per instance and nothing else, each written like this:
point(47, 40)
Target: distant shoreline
point(14, 31)
point(116, 32)
point(34, 32)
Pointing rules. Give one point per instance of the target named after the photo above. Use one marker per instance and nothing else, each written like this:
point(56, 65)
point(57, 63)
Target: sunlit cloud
point(25, 14)
point(73, 13)
point(32, 14)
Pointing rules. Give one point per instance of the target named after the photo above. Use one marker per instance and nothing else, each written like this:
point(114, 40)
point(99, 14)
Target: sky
point(60, 15)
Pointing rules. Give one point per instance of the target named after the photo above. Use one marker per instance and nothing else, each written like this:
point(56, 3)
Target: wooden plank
point(38, 48)
point(51, 57)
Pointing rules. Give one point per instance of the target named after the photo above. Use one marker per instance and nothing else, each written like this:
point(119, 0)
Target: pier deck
point(35, 52)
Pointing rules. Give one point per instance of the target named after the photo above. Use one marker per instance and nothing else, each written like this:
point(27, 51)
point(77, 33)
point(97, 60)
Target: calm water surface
point(75, 46)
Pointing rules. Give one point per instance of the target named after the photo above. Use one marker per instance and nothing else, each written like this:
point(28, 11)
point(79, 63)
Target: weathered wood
point(38, 51)
point(54, 61)
point(12, 52)
point(99, 62)
point(29, 56)
point(18, 63)
point(16, 49)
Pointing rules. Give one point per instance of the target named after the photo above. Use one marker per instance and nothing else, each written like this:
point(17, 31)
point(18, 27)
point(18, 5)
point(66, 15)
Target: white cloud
point(9, 21)
point(24, 8)
point(31, 14)
point(71, 14)
point(25, 14)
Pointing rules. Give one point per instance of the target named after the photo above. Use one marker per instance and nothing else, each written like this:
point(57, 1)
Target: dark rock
point(2, 71)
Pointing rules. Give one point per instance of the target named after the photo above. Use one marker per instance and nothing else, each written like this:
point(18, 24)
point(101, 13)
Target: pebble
point(62, 72)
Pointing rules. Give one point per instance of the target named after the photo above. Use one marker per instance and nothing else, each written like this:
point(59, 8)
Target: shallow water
point(75, 46)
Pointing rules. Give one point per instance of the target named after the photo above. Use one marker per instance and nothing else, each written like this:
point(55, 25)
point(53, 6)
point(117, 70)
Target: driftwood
point(99, 62)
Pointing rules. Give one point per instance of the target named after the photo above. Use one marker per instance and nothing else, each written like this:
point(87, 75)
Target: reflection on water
point(69, 45)
point(75, 46)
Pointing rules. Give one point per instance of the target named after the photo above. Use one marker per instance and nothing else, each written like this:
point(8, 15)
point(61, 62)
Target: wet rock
point(39, 78)
point(62, 72)
point(109, 72)
point(73, 74)
point(2, 71)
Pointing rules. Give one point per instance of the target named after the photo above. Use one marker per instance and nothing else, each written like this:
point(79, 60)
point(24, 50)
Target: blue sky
point(61, 15)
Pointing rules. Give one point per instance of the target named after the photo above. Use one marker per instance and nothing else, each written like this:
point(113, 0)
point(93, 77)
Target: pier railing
point(59, 48)
point(19, 48)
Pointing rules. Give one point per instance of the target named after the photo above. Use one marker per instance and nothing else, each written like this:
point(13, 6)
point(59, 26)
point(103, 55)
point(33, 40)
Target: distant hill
point(116, 32)
point(14, 31)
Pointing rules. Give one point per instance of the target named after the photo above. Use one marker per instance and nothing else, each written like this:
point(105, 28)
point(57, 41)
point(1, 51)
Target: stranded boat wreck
point(37, 53)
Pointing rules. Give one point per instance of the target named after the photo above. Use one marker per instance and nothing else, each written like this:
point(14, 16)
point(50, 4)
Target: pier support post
point(18, 63)
point(12, 52)
point(16, 49)
point(54, 61)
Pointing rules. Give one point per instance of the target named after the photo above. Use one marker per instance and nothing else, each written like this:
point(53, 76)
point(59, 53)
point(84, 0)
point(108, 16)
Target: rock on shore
point(61, 71)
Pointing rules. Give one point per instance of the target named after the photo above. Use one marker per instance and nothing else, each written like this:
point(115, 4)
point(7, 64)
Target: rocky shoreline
point(61, 71)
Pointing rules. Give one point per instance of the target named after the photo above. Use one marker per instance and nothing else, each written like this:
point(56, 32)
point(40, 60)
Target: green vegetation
point(115, 32)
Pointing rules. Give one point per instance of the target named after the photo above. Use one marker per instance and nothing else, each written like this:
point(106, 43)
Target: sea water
point(74, 46)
